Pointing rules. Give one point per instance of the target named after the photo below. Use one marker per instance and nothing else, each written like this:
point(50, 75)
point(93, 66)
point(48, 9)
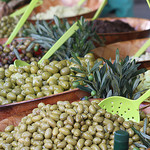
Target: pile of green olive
point(8, 56)
point(8, 24)
point(64, 126)
point(38, 80)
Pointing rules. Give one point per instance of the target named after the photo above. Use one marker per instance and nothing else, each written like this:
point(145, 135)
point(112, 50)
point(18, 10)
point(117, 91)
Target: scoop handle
point(61, 41)
point(81, 2)
point(21, 21)
point(101, 7)
point(143, 97)
point(142, 49)
point(23, 9)
point(148, 2)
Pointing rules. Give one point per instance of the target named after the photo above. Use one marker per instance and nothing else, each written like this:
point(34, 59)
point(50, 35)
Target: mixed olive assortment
point(69, 126)
point(8, 55)
point(38, 80)
point(7, 25)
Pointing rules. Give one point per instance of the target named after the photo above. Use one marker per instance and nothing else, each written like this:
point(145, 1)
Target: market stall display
point(7, 25)
point(67, 125)
point(47, 4)
point(141, 29)
point(47, 103)
point(18, 50)
point(37, 80)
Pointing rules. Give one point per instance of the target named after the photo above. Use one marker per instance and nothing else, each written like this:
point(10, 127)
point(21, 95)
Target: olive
point(46, 75)
point(2, 74)
point(20, 98)
point(63, 78)
point(34, 69)
point(37, 82)
point(53, 69)
point(11, 96)
point(64, 84)
point(40, 72)
point(65, 71)
point(27, 69)
point(20, 81)
point(89, 56)
point(36, 89)
point(3, 92)
point(56, 76)
point(29, 90)
point(28, 80)
point(59, 66)
point(53, 63)
point(52, 81)
point(30, 96)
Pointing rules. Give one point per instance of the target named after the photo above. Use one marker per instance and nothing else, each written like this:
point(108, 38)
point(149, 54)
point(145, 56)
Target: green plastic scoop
point(101, 7)
point(23, 9)
point(22, 21)
point(148, 2)
point(142, 49)
point(81, 2)
point(60, 42)
point(126, 108)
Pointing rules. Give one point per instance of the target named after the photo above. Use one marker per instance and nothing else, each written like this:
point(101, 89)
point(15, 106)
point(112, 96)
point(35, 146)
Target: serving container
point(93, 5)
point(15, 115)
point(141, 26)
point(26, 107)
point(126, 48)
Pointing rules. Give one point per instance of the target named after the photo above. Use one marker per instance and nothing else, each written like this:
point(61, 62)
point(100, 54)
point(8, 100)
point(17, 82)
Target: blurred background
point(141, 9)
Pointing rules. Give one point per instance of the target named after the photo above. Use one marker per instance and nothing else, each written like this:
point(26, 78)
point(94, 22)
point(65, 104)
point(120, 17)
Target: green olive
point(53, 69)
point(52, 81)
point(11, 96)
point(46, 75)
point(20, 98)
point(63, 78)
point(34, 69)
point(65, 85)
point(2, 74)
point(65, 71)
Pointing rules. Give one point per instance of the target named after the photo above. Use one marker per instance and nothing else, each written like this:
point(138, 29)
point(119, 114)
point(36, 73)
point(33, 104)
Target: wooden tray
point(25, 107)
point(142, 27)
point(92, 4)
point(14, 119)
point(126, 48)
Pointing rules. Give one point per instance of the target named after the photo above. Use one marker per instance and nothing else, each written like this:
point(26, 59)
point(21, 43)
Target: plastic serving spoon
point(23, 9)
point(101, 7)
point(21, 21)
point(126, 108)
point(60, 42)
point(142, 49)
point(81, 2)
point(148, 2)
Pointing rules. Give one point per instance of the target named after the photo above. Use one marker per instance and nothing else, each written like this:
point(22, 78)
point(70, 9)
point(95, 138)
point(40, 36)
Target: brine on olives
point(68, 126)
point(38, 80)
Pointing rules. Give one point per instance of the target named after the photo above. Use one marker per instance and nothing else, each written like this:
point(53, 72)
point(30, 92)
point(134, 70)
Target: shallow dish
point(93, 5)
point(27, 106)
point(126, 48)
point(14, 119)
point(141, 26)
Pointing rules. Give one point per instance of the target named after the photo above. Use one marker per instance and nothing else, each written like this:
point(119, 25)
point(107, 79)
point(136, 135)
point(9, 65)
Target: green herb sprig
point(46, 34)
point(119, 78)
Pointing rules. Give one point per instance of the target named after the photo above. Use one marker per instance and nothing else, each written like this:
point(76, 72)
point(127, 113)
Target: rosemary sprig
point(46, 34)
